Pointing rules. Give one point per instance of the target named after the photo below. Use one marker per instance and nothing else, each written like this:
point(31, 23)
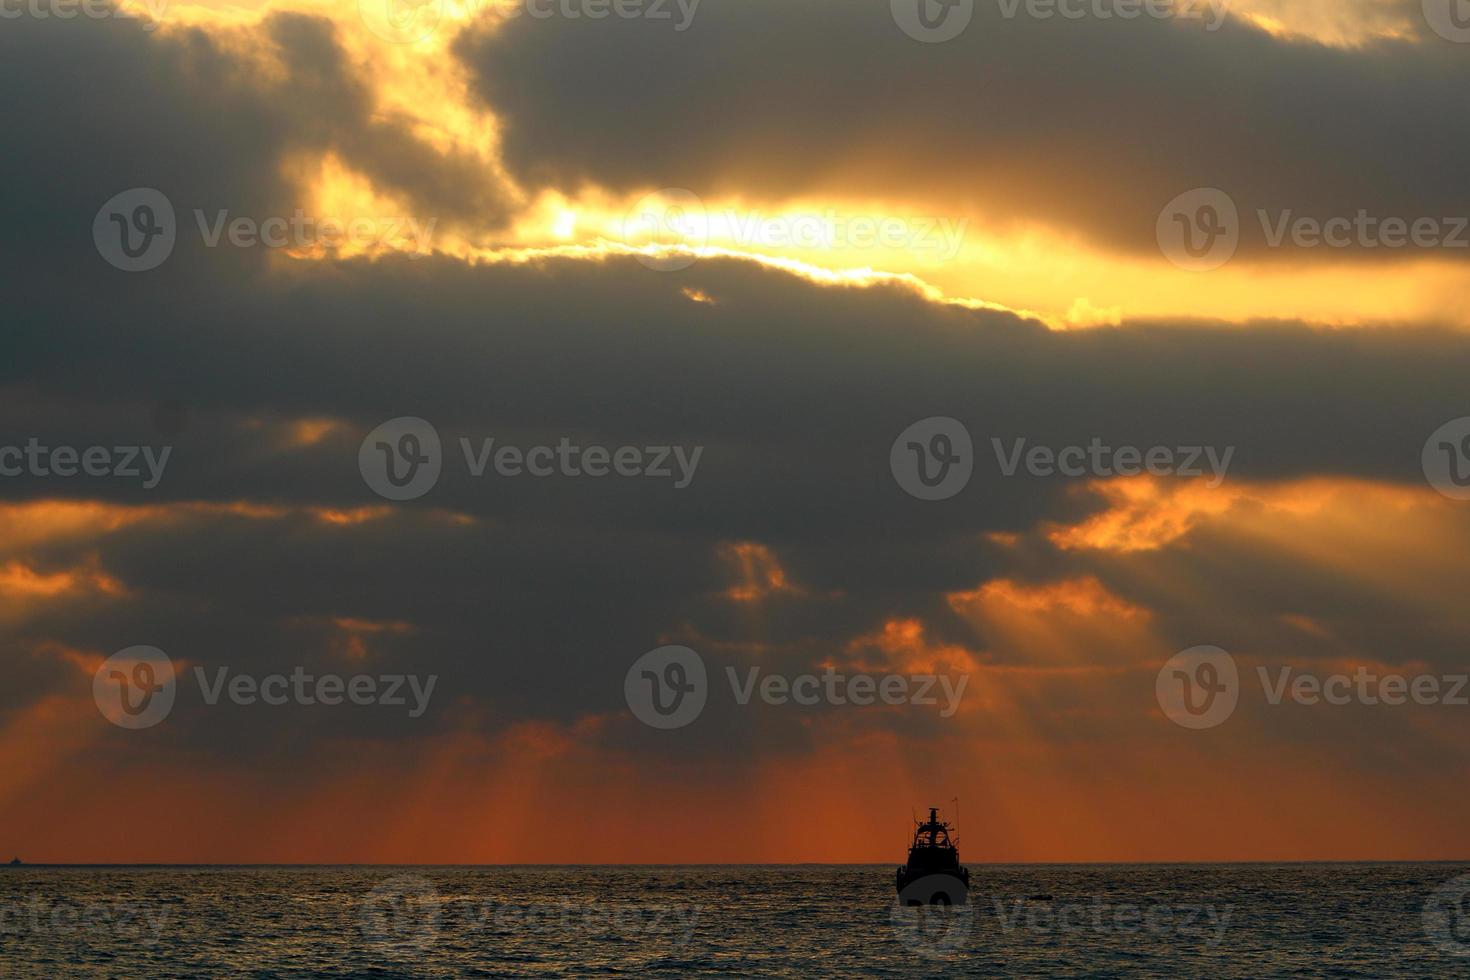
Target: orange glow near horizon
point(475, 802)
point(1052, 661)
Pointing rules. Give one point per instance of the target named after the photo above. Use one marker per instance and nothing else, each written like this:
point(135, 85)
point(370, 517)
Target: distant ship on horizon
point(933, 874)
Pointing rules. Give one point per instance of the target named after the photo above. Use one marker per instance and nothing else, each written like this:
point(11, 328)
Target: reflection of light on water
point(583, 920)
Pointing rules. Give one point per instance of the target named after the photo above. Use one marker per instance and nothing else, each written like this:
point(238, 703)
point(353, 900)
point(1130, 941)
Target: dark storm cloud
point(1092, 125)
point(796, 391)
point(535, 609)
point(96, 107)
point(777, 375)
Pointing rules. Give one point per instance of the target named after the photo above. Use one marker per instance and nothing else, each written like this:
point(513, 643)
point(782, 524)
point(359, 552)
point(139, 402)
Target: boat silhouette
point(933, 874)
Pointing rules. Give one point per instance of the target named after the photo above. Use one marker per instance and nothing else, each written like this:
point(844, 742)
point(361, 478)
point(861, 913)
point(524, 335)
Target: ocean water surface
point(1315, 920)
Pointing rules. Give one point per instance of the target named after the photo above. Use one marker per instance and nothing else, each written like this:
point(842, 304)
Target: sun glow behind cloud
point(1047, 272)
point(1035, 271)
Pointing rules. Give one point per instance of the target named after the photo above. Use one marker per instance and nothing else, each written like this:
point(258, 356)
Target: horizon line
point(729, 864)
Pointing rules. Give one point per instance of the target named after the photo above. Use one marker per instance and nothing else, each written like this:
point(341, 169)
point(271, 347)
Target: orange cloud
point(23, 589)
point(353, 634)
point(1147, 513)
point(1073, 621)
point(351, 515)
point(29, 523)
point(901, 646)
point(1144, 513)
point(1081, 597)
point(758, 573)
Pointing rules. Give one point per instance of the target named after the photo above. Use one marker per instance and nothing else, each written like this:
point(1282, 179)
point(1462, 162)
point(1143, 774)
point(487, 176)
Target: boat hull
point(918, 887)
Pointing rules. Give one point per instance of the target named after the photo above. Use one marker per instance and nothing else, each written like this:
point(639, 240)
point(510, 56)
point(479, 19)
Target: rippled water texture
point(1153, 921)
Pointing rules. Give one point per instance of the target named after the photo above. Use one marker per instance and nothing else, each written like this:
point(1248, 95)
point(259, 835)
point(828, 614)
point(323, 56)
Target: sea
point(1236, 920)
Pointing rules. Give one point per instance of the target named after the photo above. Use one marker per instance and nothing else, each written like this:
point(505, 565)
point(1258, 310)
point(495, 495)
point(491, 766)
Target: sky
point(1046, 358)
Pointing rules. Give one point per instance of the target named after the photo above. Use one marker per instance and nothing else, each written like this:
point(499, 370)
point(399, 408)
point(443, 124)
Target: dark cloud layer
point(214, 119)
point(1091, 126)
point(796, 391)
point(534, 607)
